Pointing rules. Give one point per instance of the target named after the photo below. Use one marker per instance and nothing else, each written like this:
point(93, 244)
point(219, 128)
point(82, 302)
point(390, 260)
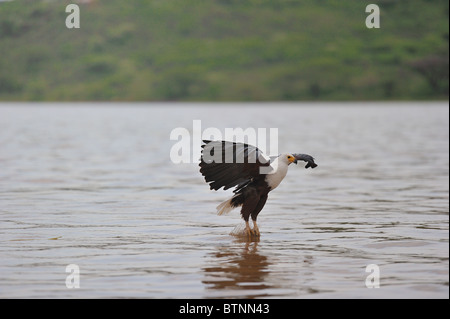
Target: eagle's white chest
point(280, 169)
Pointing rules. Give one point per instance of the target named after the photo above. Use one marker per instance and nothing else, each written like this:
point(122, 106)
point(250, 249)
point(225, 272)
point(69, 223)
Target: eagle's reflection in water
point(237, 270)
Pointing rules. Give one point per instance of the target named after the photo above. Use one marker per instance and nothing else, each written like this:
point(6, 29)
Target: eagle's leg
point(248, 230)
point(251, 207)
point(255, 230)
point(254, 214)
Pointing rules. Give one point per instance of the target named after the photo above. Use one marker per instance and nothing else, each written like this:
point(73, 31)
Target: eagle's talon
point(255, 230)
point(255, 233)
point(248, 230)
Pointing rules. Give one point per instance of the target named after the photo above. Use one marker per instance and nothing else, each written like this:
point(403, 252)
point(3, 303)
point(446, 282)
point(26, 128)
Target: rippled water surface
point(93, 185)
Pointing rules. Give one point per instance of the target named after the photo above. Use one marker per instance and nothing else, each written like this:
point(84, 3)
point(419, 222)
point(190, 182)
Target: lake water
point(93, 185)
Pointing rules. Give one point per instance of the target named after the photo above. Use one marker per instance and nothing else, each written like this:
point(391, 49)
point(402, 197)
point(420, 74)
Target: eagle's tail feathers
point(228, 205)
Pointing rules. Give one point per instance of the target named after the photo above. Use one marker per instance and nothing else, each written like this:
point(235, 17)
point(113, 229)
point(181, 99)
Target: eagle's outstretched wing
point(227, 164)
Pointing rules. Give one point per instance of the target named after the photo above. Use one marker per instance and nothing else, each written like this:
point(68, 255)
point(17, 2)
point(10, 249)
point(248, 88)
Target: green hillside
point(223, 50)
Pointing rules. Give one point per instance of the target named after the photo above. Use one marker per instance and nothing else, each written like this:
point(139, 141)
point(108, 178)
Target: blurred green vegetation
point(223, 50)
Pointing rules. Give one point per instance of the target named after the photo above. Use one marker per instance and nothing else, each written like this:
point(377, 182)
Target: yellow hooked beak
point(292, 159)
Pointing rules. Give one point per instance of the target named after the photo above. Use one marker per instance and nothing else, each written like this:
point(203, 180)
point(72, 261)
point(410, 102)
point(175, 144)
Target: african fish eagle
point(229, 164)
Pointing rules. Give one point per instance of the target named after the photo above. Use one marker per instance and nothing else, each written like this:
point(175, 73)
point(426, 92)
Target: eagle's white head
point(287, 159)
point(279, 169)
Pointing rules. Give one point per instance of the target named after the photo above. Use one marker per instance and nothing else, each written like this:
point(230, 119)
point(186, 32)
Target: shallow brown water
point(93, 185)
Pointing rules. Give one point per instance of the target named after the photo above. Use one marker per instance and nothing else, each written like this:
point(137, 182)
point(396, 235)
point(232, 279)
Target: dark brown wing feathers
point(226, 174)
